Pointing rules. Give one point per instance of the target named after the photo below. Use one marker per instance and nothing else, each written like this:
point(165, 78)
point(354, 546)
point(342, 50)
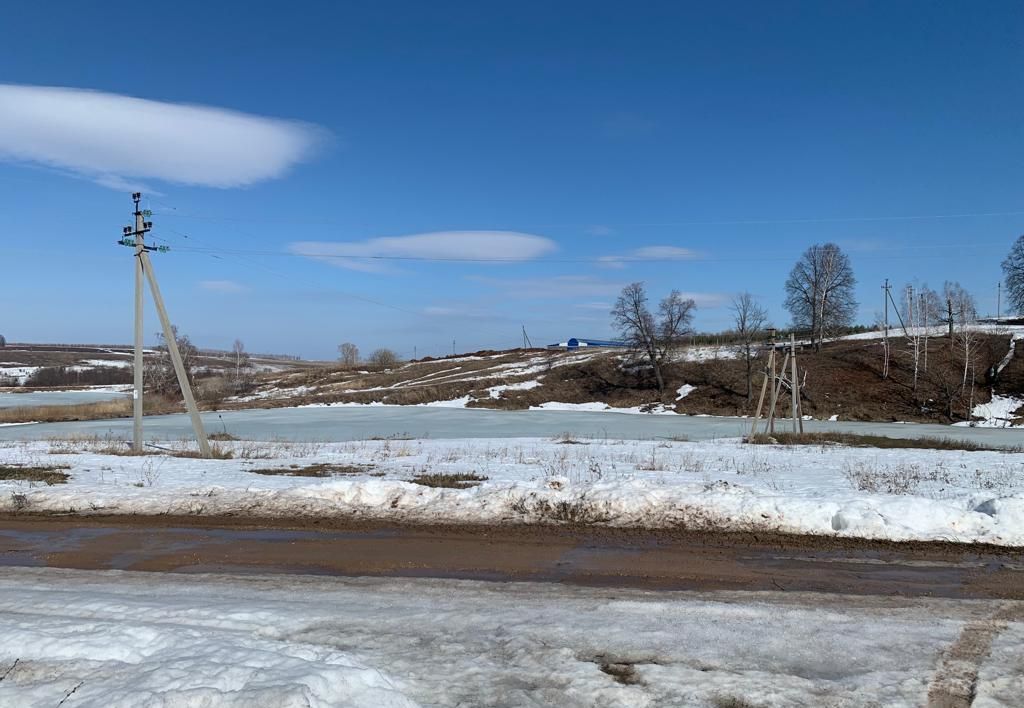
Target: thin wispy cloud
point(118, 140)
point(559, 286)
point(649, 253)
point(222, 286)
point(374, 255)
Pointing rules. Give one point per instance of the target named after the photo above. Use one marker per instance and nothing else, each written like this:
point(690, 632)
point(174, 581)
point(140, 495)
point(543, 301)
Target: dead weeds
point(48, 475)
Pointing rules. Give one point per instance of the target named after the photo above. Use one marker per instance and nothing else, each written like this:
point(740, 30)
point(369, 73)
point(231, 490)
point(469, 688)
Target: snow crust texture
point(112, 639)
point(716, 485)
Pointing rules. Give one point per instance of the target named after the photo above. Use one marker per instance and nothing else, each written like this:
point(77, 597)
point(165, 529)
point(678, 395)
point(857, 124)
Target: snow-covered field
point(111, 639)
point(719, 484)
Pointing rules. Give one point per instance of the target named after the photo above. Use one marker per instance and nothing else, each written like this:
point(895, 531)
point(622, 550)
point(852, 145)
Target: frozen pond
point(56, 398)
point(337, 424)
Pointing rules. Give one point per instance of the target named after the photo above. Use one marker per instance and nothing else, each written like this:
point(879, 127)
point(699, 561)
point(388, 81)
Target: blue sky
point(585, 145)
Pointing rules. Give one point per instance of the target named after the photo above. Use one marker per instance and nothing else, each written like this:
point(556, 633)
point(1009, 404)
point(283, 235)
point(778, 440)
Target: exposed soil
point(844, 378)
point(587, 556)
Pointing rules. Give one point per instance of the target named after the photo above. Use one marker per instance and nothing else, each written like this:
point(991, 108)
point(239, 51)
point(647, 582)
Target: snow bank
point(898, 495)
point(997, 413)
point(129, 639)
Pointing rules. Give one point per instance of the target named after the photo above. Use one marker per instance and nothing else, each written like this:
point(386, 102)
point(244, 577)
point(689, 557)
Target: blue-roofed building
point(578, 343)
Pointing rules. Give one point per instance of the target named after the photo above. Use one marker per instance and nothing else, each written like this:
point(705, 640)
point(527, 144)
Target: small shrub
point(223, 436)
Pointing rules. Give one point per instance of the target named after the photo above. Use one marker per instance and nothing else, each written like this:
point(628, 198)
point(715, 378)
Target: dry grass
point(320, 469)
point(222, 437)
point(49, 475)
point(119, 408)
point(879, 441)
point(450, 481)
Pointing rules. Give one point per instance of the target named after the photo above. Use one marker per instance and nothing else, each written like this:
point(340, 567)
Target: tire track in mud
point(956, 681)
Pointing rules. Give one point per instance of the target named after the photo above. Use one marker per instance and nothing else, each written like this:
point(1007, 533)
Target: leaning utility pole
point(135, 238)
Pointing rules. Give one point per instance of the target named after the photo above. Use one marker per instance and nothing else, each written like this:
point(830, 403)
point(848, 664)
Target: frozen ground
point(110, 639)
point(722, 484)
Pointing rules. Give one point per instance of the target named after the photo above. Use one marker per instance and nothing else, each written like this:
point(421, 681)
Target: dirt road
point(601, 557)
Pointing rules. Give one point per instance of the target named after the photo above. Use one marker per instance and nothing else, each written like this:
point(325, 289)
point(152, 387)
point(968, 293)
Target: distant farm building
point(576, 343)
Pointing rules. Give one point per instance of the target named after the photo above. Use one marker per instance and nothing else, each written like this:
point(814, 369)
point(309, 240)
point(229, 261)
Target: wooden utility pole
point(885, 331)
point(794, 388)
point(136, 239)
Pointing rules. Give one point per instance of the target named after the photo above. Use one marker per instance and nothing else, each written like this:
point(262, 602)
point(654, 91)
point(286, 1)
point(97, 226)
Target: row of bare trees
point(348, 355)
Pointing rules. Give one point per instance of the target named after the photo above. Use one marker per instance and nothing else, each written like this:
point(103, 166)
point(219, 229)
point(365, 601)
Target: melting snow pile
point(110, 639)
point(720, 485)
point(997, 413)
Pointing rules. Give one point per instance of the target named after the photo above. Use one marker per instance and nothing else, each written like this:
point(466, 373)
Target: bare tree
point(1013, 271)
point(639, 329)
point(749, 320)
point(3, 341)
point(348, 353)
point(819, 292)
point(957, 307)
point(159, 371)
point(384, 358)
point(243, 365)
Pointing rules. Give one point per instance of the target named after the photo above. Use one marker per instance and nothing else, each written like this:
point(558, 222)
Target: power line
point(689, 222)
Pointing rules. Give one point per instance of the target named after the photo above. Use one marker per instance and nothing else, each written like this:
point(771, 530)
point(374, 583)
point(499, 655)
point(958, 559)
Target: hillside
point(843, 379)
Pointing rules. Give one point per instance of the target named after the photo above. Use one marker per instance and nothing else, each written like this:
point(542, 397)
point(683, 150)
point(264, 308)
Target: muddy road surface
point(655, 560)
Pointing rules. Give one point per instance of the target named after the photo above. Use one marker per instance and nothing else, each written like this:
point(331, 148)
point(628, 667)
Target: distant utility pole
point(526, 340)
point(999, 298)
point(135, 238)
point(885, 332)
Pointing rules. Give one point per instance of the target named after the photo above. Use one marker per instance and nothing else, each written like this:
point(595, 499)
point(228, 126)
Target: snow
point(707, 353)
point(559, 406)
point(1016, 331)
point(997, 413)
point(496, 391)
point(19, 373)
point(684, 391)
point(453, 403)
point(128, 639)
point(893, 494)
point(89, 363)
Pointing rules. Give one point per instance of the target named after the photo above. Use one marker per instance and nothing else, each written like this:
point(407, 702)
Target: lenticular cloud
point(114, 139)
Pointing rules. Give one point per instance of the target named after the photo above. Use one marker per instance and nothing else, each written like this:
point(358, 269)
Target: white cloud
point(117, 140)
point(649, 253)
point(222, 286)
point(491, 246)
